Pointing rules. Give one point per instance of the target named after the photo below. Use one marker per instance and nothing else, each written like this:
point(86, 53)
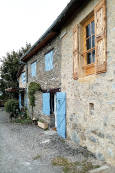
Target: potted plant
point(42, 124)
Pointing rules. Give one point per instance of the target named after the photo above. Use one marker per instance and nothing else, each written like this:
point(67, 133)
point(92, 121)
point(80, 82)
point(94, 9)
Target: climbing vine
point(33, 87)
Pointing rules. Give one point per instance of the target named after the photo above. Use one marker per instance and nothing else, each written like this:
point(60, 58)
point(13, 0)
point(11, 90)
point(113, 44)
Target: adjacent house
point(43, 66)
point(22, 78)
point(75, 65)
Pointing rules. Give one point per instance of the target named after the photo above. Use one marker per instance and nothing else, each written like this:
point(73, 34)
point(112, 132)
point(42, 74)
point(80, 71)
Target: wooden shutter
point(33, 69)
point(61, 113)
point(46, 104)
point(100, 36)
point(75, 51)
point(51, 60)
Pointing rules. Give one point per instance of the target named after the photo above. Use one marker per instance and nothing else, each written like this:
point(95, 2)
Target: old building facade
point(81, 75)
point(44, 68)
point(88, 52)
point(48, 75)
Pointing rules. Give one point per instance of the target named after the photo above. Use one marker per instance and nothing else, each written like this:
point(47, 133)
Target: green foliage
point(9, 69)
point(73, 167)
point(33, 87)
point(23, 121)
point(11, 105)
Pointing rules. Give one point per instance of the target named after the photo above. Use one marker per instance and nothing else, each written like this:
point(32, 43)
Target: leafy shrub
point(11, 105)
point(23, 121)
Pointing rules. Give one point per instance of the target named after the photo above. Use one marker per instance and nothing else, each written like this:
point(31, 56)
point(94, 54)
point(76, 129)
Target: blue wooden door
point(20, 101)
point(46, 103)
point(61, 113)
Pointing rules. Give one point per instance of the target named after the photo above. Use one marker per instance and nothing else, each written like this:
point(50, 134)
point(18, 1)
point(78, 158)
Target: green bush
point(11, 105)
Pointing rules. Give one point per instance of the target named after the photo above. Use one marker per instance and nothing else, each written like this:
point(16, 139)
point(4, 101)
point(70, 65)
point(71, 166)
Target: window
point(33, 69)
point(49, 61)
point(23, 77)
point(90, 43)
point(89, 46)
point(91, 108)
point(89, 40)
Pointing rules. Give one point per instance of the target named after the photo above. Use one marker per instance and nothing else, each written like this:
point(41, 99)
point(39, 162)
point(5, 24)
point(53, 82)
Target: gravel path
point(20, 144)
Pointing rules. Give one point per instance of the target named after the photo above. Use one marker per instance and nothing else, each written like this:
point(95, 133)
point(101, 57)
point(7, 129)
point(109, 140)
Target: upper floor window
point(49, 61)
point(89, 42)
point(23, 77)
point(33, 69)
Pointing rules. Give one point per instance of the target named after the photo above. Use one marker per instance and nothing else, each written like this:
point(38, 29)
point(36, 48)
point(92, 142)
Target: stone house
point(88, 51)
point(43, 66)
point(84, 35)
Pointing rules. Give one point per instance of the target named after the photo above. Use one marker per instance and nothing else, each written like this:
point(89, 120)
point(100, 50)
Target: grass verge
point(73, 167)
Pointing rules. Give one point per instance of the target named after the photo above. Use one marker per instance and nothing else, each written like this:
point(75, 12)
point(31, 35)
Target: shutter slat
point(100, 37)
point(75, 52)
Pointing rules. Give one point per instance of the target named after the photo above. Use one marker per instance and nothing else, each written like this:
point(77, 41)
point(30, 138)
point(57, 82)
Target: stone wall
point(47, 79)
point(94, 129)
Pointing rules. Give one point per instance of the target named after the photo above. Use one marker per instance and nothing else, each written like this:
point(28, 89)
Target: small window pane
point(88, 31)
point(89, 58)
point(88, 43)
point(93, 56)
point(93, 27)
point(93, 41)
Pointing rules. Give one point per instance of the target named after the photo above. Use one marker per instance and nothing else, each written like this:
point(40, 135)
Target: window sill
point(89, 69)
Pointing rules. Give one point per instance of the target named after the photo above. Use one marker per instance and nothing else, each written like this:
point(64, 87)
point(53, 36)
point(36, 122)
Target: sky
point(24, 21)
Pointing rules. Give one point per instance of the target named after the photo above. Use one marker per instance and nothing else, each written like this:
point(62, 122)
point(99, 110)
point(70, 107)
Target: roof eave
point(56, 26)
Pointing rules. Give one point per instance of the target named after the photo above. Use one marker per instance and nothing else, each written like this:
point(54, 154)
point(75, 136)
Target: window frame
point(88, 68)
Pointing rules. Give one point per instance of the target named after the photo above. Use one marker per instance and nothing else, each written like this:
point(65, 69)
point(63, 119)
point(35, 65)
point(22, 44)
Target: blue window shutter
point(46, 63)
point(61, 113)
point(33, 69)
point(23, 77)
point(20, 101)
point(49, 61)
point(46, 103)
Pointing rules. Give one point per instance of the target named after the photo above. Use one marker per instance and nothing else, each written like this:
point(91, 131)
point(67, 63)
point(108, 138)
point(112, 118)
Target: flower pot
point(43, 125)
